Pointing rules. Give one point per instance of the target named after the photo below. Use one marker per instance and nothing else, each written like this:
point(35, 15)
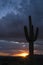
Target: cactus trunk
point(31, 48)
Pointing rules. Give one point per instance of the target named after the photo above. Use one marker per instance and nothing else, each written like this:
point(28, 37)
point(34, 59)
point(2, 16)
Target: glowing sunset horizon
point(20, 53)
point(18, 49)
point(23, 54)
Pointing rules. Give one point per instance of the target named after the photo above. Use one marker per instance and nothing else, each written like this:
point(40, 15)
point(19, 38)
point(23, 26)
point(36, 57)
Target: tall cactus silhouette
point(31, 37)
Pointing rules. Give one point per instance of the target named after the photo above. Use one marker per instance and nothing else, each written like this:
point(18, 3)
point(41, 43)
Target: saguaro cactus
point(31, 37)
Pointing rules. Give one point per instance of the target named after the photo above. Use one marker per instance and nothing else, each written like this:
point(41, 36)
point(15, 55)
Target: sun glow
point(23, 54)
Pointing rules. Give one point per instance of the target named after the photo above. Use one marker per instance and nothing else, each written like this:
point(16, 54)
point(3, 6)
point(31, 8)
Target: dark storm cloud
point(13, 16)
point(37, 15)
point(37, 11)
point(12, 24)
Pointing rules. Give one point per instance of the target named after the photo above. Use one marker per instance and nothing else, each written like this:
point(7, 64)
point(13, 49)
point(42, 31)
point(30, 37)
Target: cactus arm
point(26, 33)
point(36, 34)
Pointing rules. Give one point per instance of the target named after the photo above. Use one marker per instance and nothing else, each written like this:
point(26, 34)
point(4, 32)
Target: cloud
point(15, 16)
point(37, 11)
point(16, 6)
point(13, 26)
point(12, 47)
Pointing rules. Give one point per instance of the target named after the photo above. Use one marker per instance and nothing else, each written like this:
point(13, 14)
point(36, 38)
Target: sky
point(13, 16)
point(13, 48)
point(16, 6)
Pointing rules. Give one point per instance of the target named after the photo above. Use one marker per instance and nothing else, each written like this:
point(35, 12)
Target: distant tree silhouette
point(31, 37)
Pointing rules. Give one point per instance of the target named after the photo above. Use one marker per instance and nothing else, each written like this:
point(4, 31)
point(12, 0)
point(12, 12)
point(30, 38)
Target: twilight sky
point(13, 16)
point(16, 6)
